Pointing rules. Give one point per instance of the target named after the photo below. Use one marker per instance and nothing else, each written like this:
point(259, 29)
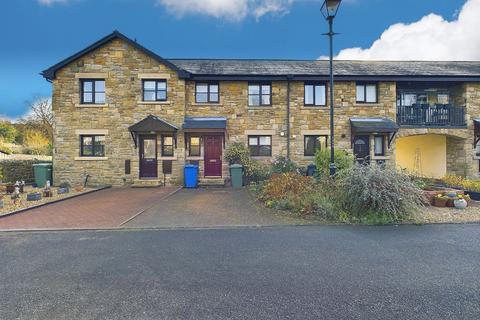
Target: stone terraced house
point(125, 115)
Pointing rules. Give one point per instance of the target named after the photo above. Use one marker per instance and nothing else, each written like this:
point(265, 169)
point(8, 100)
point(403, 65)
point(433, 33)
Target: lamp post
point(329, 10)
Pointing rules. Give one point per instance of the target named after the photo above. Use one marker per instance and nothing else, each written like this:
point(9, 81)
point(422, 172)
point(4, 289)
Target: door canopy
point(153, 125)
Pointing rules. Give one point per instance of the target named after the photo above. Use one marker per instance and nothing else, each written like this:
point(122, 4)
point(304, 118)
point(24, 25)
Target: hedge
point(18, 170)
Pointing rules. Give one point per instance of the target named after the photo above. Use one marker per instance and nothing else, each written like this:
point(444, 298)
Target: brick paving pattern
point(102, 209)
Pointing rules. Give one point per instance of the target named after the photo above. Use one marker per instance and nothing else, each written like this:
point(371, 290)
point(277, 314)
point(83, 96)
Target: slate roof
point(369, 125)
point(321, 67)
point(205, 123)
point(238, 69)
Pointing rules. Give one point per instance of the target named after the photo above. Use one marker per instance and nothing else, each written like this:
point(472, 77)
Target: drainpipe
point(289, 77)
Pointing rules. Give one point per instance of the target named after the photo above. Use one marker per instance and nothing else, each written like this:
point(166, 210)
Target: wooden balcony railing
point(425, 115)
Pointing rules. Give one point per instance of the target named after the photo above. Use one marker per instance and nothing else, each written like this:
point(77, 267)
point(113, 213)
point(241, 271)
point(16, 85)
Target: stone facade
point(124, 67)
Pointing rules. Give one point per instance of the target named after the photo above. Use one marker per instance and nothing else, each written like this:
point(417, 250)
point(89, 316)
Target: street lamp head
point(330, 8)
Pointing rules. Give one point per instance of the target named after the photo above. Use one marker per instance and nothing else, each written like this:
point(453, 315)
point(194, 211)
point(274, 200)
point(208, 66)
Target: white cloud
point(51, 2)
point(430, 38)
point(233, 10)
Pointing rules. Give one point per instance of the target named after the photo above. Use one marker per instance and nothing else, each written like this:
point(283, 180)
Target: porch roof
point(371, 125)
point(216, 123)
point(152, 124)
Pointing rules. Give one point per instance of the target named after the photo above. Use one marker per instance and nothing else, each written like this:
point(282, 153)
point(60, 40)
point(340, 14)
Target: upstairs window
point(154, 90)
point(92, 146)
point(206, 92)
point(167, 146)
point(260, 146)
point(259, 94)
point(315, 94)
point(367, 93)
point(314, 143)
point(93, 91)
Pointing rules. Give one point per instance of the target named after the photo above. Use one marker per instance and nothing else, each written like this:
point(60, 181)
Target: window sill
point(206, 104)
point(81, 105)
point(260, 107)
point(194, 158)
point(167, 158)
point(309, 157)
point(261, 157)
point(154, 102)
point(380, 158)
point(367, 104)
point(91, 158)
point(315, 107)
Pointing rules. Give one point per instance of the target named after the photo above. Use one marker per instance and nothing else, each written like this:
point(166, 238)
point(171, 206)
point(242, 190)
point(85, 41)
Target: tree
point(36, 143)
point(40, 117)
point(7, 132)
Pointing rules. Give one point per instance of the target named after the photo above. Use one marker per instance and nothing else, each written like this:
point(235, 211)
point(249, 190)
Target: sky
point(36, 34)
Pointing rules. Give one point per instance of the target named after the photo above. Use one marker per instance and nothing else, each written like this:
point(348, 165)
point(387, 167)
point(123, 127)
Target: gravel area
point(449, 215)
point(9, 205)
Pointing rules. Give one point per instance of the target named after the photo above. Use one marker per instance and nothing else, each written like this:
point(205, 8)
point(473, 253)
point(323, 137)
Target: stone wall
point(124, 67)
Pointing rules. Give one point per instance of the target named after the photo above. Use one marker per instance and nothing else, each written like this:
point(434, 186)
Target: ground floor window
point(167, 146)
point(194, 146)
point(92, 146)
point(379, 145)
point(312, 143)
point(260, 146)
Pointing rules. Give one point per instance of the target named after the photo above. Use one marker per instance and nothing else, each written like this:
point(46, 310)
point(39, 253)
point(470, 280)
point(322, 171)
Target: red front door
point(213, 156)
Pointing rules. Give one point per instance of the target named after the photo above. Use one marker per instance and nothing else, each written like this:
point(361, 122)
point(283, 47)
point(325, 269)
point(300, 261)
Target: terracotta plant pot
point(48, 193)
point(439, 202)
point(10, 188)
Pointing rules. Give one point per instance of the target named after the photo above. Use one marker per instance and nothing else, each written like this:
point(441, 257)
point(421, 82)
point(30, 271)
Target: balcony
point(427, 115)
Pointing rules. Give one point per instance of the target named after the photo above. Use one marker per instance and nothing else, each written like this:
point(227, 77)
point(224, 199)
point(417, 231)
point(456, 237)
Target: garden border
point(54, 201)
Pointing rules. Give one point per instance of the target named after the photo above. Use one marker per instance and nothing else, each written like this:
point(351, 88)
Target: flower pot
point(460, 203)
point(48, 193)
point(439, 202)
point(63, 190)
point(34, 196)
point(473, 195)
point(451, 202)
point(10, 188)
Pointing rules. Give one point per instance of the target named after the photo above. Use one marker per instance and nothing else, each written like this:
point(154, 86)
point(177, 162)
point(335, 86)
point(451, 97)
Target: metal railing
point(425, 115)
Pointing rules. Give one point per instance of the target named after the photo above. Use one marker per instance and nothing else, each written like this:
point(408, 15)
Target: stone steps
point(147, 183)
point(211, 182)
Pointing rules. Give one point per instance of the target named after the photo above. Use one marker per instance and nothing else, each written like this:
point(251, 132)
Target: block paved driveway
point(107, 208)
point(150, 208)
point(211, 207)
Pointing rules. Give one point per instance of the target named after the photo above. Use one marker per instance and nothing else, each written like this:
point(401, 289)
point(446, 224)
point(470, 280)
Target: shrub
point(5, 149)
point(253, 171)
point(343, 160)
point(369, 191)
point(283, 165)
point(237, 153)
point(18, 170)
point(453, 181)
point(289, 186)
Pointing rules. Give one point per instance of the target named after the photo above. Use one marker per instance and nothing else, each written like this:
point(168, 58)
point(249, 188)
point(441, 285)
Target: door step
point(211, 182)
point(147, 183)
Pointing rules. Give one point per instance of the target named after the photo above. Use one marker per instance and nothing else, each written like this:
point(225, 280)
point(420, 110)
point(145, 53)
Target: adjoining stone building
point(124, 115)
